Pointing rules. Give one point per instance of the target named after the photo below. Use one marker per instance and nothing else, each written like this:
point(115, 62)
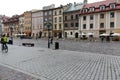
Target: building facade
point(1, 24)
point(11, 25)
point(21, 24)
point(2, 19)
point(37, 23)
point(28, 23)
point(100, 17)
point(71, 20)
point(58, 22)
point(48, 20)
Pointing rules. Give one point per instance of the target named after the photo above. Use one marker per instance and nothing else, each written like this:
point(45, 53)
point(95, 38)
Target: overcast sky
point(12, 7)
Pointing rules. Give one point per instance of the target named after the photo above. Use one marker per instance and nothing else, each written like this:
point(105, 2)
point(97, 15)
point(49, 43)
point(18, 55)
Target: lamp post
point(11, 30)
point(48, 26)
point(80, 34)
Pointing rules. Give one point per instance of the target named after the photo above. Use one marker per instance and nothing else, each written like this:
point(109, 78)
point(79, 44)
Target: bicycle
point(4, 48)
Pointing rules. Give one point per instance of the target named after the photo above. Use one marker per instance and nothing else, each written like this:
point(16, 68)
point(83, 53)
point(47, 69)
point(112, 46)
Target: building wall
point(58, 22)
point(11, 25)
point(21, 24)
point(6, 29)
point(97, 20)
point(37, 22)
point(0, 24)
point(70, 29)
point(47, 21)
point(28, 23)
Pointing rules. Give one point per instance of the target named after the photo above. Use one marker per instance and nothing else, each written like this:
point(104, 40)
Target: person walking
point(51, 40)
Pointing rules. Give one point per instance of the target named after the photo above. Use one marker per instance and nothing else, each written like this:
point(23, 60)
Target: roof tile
point(97, 4)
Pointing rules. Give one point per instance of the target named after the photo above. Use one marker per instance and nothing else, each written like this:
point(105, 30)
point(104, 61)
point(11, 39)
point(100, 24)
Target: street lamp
point(48, 26)
point(80, 34)
point(11, 30)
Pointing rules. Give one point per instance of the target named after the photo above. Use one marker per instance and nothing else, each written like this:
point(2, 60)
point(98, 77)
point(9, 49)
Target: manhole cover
point(41, 50)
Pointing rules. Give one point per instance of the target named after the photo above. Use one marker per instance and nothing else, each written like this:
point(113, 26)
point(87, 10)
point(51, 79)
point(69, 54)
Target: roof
point(97, 4)
point(74, 7)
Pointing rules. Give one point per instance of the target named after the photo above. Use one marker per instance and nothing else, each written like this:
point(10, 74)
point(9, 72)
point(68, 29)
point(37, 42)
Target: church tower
point(85, 1)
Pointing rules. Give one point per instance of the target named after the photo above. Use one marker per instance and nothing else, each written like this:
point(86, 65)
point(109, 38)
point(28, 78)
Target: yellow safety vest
point(4, 39)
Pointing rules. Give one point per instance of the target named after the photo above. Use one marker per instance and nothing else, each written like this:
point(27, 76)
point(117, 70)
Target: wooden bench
point(28, 44)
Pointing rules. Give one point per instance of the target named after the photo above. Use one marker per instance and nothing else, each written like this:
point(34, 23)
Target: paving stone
point(90, 61)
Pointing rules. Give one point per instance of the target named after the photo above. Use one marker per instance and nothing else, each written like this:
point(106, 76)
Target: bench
point(28, 44)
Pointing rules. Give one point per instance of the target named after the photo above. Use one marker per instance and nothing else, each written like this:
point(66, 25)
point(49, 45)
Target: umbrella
point(104, 34)
point(90, 33)
point(82, 34)
point(116, 34)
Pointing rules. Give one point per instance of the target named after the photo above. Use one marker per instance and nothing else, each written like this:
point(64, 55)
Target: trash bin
point(56, 45)
point(10, 42)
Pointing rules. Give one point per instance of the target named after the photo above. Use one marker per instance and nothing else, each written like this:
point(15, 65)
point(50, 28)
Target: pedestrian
point(51, 40)
point(36, 36)
point(3, 41)
point(102, 38)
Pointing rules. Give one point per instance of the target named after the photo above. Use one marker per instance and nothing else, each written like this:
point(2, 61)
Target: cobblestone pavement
point(109, 48)
point(50, 64)
point(10, 74)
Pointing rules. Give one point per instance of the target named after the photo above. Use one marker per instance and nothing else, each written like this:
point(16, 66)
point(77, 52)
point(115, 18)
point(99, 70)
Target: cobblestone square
point(49, 64)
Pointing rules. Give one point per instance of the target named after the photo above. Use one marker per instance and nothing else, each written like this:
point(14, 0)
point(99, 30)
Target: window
point(45, 13)
point(60, 19)
point(71, 33)
point(60, 12)
point(101, 15)
point(55, 13)
point(101, 25)
point(111, 24)
point(50, 18)
point(91, 17)
point(72, 24)
point(65, 17)
point(84, 17)
point(91, 9)
point(66, 25)
point(76, 16)
point(55, 20)
point(71, 17)
point(112, 6)
point(76, 24)
point(60, 26)
point(102, 7)
point(84, 26)
point(55, 26)
point(84, 10)
point(50, 12)
point(91, 26)
point(112, 15)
